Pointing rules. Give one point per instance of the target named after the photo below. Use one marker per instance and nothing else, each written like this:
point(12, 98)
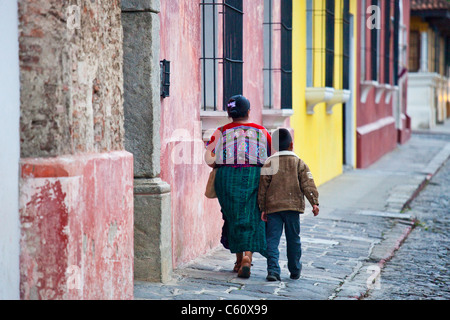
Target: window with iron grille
point(387, 41)
point(230, 14)
point(447, 57)
point(397, 41)
point(374, 43)
point(442, 55)
point(432, 50)
point(346, 45)
point(437, 52)
point(329, 42)
point(320, 45)
point(414, 51)
point(363, 39)
point(284, 26)
point(232, 48)
point(268, 63)
point(309, 43)
point(286, 54)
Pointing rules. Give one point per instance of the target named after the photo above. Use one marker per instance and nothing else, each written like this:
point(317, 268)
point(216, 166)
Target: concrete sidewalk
point(363, 220)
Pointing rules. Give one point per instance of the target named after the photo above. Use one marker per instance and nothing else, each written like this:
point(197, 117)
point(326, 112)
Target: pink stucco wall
point(254, 57)
point(76, 214)
point(376, 128)
point(196, 220)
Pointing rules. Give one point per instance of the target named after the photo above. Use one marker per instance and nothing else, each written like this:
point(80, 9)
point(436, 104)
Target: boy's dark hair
point(281, 139)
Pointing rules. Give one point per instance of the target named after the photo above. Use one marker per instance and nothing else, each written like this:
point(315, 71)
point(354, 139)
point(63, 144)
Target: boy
point(281, 200)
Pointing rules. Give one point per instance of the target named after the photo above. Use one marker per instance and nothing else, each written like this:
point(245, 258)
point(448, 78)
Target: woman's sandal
point(244, 270)
point(237, 266)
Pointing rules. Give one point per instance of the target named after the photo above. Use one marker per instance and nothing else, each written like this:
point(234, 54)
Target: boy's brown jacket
point(283, 186)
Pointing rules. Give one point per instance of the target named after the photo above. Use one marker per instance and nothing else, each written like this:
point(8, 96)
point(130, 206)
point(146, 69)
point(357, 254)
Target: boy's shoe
point(295, 276)
point(272, 276)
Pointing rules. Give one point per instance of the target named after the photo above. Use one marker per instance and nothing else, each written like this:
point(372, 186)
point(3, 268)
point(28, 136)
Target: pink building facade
point(186, 121)
point(382, 117)
point(216, 49)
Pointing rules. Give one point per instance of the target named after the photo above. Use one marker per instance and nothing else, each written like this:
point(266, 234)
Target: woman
point(239, 150)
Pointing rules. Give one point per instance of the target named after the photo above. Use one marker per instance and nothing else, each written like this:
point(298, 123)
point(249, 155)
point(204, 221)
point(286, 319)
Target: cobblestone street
point(419, 269)
point(357, 235)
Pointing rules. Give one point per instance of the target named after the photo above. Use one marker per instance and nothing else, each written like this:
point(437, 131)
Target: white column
point(423, 51)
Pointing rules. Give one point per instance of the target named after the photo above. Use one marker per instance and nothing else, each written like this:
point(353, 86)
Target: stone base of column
point(152, 230)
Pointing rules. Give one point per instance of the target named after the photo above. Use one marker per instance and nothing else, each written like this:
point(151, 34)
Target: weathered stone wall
point(71, 77)
point(76, 182)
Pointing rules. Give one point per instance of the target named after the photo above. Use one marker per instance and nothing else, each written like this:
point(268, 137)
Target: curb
point(390, 254)
point(363, 280)
point(359, 281)
point(422, 185)
point(441, 158)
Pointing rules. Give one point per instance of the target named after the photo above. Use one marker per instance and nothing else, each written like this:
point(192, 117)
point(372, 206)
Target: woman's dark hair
point(238, 106)
point(281, 139)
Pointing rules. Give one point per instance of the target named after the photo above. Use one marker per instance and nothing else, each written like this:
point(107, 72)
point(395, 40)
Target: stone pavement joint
point(361, 225)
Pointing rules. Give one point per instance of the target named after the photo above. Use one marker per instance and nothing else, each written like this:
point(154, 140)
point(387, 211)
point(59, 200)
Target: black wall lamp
point(165, 78)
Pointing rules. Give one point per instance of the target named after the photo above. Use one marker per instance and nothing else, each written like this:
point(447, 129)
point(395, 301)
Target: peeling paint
point(77, 222)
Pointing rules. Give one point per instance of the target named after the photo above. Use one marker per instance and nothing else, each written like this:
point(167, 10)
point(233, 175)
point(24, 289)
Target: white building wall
point(9, 151)
point(422, 93)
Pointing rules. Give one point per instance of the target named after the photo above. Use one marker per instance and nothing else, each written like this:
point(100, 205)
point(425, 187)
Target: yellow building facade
point(324, 117)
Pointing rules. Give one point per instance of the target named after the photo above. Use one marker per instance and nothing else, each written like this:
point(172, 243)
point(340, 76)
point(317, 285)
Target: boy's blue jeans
point(274, 230)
